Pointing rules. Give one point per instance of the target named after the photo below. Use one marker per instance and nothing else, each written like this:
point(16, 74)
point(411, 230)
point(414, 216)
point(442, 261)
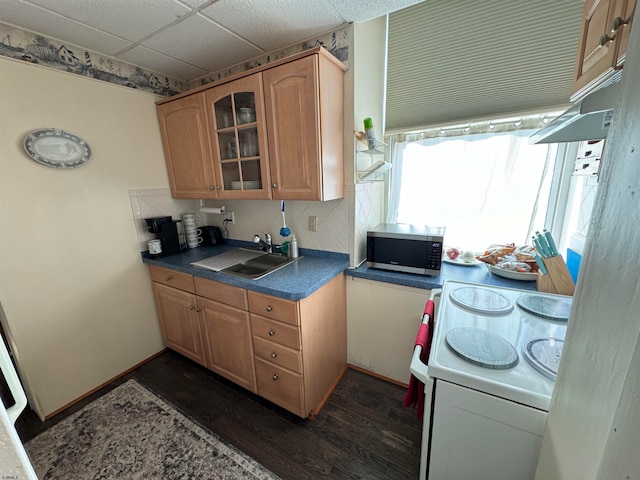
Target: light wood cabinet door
point(235, 112)
point(624, 31)
point(187, 148)
point(599, 45)
point(304, 107)
point(228, 342)
point(179, 322)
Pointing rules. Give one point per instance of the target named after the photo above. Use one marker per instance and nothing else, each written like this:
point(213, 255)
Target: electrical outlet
point(230, 216)
point(313, 223)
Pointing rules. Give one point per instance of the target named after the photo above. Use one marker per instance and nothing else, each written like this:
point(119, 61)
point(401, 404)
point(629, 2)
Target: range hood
point(587, 119)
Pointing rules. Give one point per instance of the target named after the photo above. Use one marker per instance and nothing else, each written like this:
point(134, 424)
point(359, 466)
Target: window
point(487, 188)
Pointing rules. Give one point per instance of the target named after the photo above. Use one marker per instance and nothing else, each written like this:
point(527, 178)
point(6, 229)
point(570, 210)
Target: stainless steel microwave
point(405, 248)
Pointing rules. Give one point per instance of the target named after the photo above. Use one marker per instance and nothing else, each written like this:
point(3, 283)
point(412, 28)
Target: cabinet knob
point(274, 185)
point(274, 355)
point(269, 308)
point(191, 307)
point(198, 309)
point(168, 279)
point(272, 333)
point(212, 187)
point(275, 377)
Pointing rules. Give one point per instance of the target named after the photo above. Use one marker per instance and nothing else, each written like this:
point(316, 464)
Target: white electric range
point(489, 380)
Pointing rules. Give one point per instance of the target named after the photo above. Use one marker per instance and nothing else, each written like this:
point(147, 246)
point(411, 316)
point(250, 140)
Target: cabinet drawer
point(279, 354)
point(273, 307)
point(175, 279)
point(281, 386)
point(275, 331)
point(220, 292)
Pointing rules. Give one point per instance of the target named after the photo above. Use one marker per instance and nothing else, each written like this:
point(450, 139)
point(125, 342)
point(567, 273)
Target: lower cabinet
point(228, 344)
point(292, 353)
point(179, 321)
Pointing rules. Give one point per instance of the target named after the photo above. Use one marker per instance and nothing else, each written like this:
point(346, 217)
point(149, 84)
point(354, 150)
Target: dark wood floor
point(363, 432)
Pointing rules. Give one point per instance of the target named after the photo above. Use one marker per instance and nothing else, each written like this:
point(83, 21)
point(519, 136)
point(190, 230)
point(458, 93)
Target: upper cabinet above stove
point(273, 132)
point(602, 50)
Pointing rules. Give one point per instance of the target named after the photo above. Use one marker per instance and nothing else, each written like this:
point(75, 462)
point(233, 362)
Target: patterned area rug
point(130, 433)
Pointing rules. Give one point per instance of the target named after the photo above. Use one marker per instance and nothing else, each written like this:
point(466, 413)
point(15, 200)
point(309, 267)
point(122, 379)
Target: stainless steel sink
point(258, 267)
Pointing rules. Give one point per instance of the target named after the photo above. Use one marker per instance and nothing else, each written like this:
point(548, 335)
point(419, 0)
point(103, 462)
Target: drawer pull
point(275, 377)
point(168, 279)
point(272, 332)
point(269, 308)
point(274, 355)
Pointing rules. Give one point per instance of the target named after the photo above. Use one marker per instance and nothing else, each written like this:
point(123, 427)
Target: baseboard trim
point(91, 392)
point(377, 375)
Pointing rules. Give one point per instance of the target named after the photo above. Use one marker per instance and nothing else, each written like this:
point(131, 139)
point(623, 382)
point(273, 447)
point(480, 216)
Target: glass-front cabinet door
point(238, 138)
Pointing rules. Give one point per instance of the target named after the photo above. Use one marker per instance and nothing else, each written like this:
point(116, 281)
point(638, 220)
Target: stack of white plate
point(248, 185)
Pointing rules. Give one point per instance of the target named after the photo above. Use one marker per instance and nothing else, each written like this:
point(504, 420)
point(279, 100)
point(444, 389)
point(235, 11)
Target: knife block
point(558, 280)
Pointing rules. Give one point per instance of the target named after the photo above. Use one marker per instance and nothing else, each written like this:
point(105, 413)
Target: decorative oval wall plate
point(56, 148)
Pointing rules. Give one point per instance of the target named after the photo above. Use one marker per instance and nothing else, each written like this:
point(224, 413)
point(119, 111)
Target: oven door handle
point(418, 368)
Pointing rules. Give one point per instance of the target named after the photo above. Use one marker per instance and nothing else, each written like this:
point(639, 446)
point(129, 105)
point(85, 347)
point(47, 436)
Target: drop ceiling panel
point(259, 20)
point(56, 26)
point(201, 43)
point(145, 58)
point(131, 20)
point(359, 11)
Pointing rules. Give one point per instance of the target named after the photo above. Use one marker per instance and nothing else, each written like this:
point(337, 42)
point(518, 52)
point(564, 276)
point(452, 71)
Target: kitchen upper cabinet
point(603, 42)
point(276, 131)
point(304, 106)
point(187, 148)
point(179, 321)
point(238, 137)
point(625, 30)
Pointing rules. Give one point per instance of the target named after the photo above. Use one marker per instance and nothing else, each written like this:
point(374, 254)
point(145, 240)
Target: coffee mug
point(194, 242)
point(155, 247)
point(190, 225)
point(196, 232)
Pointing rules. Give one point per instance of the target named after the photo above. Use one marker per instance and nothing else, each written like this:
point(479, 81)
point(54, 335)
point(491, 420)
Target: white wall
point(369, 78)
point(76, 295)
point(592, 429)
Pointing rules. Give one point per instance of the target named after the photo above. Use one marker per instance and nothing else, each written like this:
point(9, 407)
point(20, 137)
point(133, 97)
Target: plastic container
point(371, 134)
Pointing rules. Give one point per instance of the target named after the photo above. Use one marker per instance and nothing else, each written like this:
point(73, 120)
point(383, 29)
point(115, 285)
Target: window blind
point(457, 60)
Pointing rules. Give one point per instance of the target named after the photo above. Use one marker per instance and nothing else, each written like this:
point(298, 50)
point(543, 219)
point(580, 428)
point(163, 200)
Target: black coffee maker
point(166, 231)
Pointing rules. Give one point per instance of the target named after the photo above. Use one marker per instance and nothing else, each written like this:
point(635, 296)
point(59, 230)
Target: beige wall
point(76, 295)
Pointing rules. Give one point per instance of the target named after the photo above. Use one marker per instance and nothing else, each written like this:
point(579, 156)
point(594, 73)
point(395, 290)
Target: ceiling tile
point(257, 21)
point(200, 42)
point(56, 26)
point(145, 58)
point(359, 11)
point(131, 20)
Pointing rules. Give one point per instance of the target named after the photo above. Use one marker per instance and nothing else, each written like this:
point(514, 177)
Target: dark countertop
point(471, 274)
point(303, 277)
point(293, 282)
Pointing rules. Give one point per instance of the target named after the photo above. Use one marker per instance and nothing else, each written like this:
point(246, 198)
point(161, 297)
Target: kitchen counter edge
point(478, 274)
point(296, 281)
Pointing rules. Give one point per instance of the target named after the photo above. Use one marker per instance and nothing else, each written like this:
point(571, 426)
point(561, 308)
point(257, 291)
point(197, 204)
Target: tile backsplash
point(342, 224)
point(158, 202)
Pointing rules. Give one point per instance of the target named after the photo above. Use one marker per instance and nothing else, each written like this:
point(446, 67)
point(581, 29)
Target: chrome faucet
point(263, 244)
